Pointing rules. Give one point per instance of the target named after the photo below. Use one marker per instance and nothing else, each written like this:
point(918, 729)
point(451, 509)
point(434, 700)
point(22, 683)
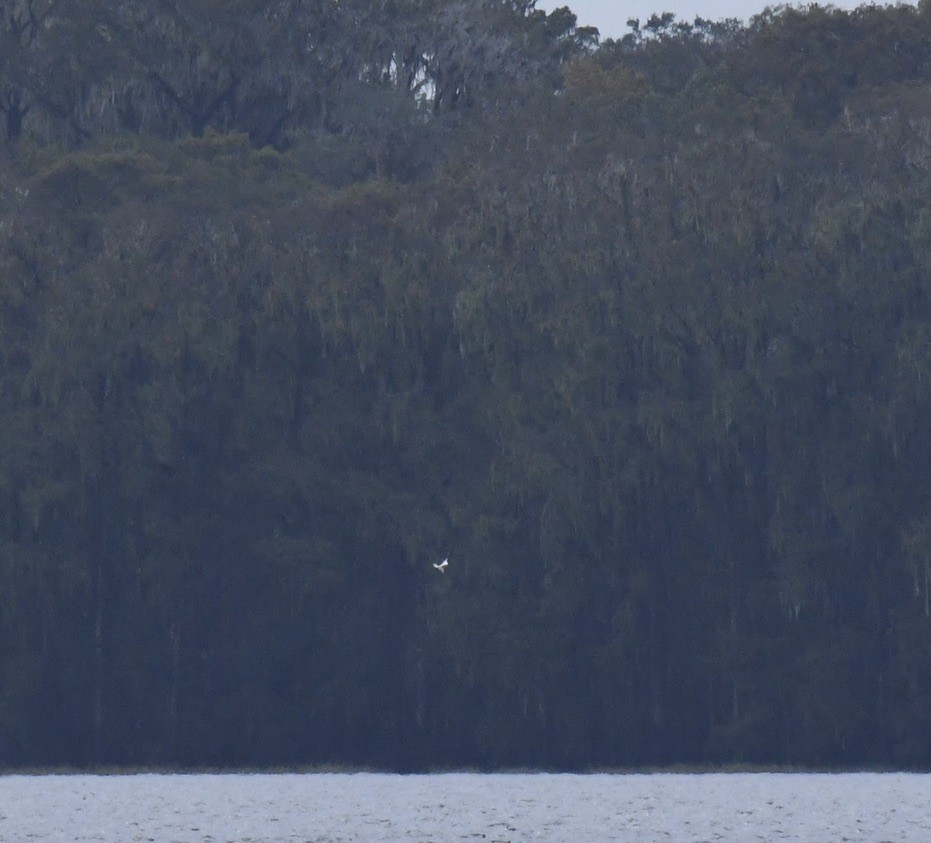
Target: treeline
point(297, 298)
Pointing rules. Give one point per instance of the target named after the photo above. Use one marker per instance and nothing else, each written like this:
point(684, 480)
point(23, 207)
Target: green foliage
point(298, 298)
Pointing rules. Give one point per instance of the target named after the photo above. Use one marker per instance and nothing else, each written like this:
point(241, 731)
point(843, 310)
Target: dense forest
point(298, 297)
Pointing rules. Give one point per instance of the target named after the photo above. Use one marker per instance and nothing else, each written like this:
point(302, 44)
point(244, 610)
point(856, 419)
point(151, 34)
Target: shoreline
point(344, 770)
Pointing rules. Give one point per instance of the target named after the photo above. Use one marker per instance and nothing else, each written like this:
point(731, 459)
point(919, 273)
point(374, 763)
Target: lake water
point(325, 808)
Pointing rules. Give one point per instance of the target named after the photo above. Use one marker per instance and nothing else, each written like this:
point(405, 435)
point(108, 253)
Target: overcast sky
point(610, 16)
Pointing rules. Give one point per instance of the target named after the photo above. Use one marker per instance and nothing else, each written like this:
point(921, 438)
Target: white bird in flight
point(441, 566)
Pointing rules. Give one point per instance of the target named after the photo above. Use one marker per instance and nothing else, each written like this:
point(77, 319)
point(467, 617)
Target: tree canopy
point(300, 296)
